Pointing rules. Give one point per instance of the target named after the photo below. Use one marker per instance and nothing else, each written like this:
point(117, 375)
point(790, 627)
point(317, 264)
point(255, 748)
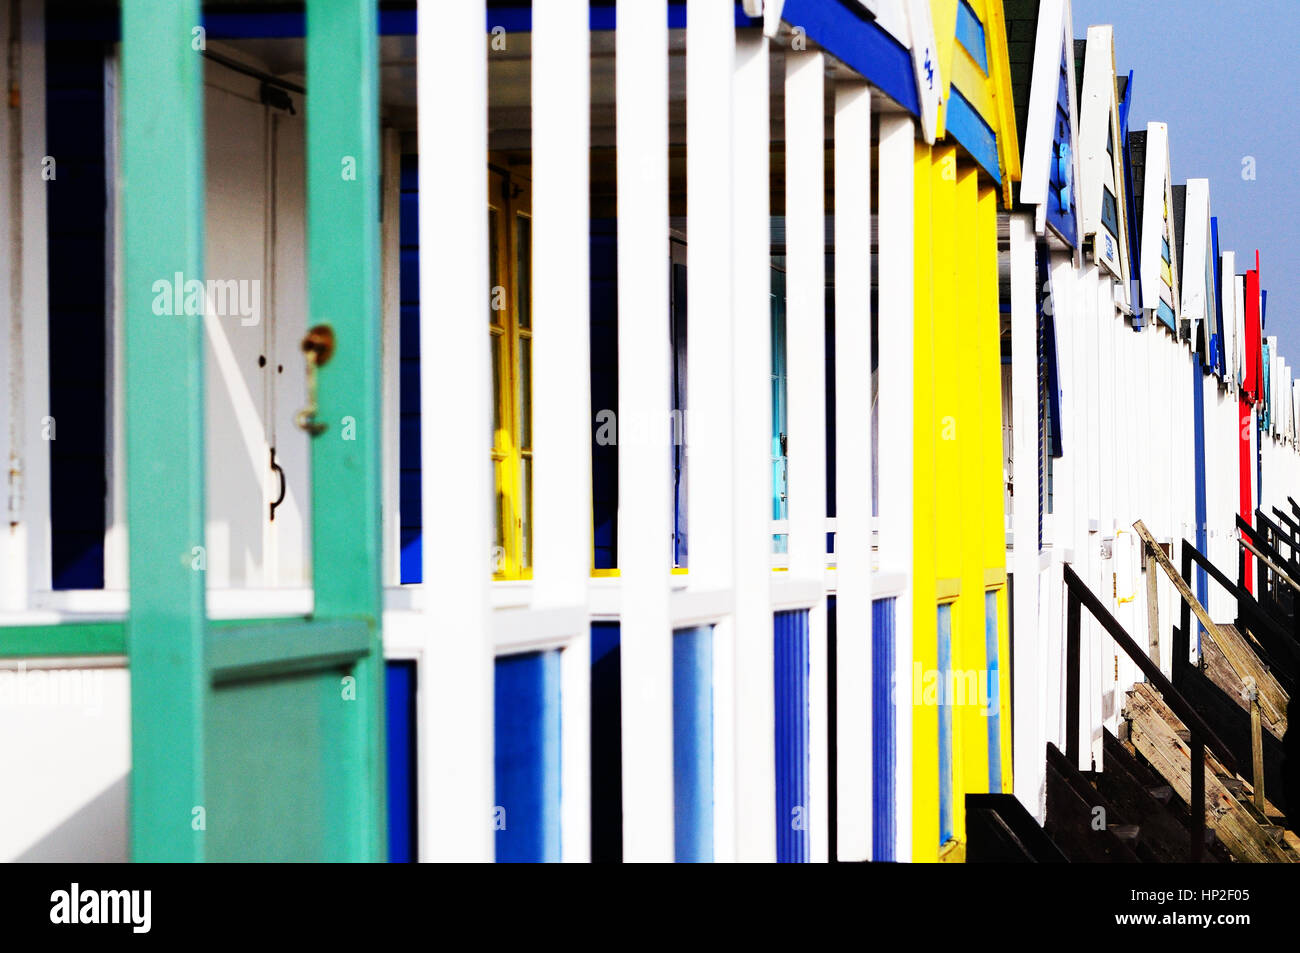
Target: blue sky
point(1213, 72)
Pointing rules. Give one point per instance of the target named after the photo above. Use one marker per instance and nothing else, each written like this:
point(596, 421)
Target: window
point(945, 724)
point(510, 327)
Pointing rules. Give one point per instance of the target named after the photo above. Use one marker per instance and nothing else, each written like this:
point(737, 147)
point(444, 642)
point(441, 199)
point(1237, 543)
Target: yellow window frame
point(510, 329)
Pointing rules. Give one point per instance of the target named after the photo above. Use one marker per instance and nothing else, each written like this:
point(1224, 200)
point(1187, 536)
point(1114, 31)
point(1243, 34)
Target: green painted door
point(252, 740)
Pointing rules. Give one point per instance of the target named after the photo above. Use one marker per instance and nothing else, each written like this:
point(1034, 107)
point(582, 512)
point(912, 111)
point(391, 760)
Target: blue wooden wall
point(693, 744)
point(400, 741)
point(884, 764)
point(791, 670)
point(527, 708)
point(409, 501)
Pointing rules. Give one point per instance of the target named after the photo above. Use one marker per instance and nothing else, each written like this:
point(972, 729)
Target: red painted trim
point(1246, 473)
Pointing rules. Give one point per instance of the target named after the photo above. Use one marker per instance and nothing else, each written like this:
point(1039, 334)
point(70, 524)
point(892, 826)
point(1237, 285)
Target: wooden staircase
point(1161, 739)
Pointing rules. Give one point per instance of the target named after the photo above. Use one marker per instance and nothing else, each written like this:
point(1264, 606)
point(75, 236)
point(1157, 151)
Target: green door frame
point(177, 657)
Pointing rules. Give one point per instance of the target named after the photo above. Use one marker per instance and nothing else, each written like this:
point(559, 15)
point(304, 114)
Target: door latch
point(318, 348)
point(277, 469)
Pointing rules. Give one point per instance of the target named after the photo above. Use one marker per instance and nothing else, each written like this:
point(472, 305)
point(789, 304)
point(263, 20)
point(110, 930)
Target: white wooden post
point(710, 61)
point(1028, 759)
point(456, 683)
point(805, 216)
point(896, 158)
point(561, 506)
point(853, 469)
point(645, 513)
point(749, 793)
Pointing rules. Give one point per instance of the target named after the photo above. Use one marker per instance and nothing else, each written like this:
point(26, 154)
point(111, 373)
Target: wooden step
point(1071, 816)
point(1135, 790)
point(1153, 730)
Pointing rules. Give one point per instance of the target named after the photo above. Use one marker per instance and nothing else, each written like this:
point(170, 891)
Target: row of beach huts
point(711, 431)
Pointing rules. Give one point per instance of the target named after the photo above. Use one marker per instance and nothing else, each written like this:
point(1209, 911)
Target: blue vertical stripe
point(884, 764)
point(527, 710)
point(400, 741)
point(993, 680)
point(693, 745)
point(792, 736)
point(945, 724)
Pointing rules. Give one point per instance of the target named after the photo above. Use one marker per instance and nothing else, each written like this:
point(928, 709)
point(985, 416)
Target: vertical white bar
point(805, 217)
point(561, 69)
point(853, 469)
point(645, 518)
point(710, 61)
point(575, 748)
point(894, 421)
point(34, 319)
point(561, 375)
point(456, 706)
point(12, 584)
point(1028, 761)
point(749, 835)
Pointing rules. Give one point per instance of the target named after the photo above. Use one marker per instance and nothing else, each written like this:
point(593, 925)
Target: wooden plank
point(162, 222)
point(1220, 671)
point(1153, 610)
point(1153, 737)
point(64, 638)
point(1257, 751)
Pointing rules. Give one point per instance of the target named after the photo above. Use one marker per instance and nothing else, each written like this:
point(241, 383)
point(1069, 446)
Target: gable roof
point(977, 107)
point(1158, 269)
point(1049, 173)
point(1102, 194)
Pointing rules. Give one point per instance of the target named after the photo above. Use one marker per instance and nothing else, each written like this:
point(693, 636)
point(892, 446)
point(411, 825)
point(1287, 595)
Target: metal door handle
point(276, 468)
point(318, 347)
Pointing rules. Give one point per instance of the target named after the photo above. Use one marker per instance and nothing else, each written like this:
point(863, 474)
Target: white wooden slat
point(456, 687)
point(645, 519)
point(710, 63)
point(1028, 764)
point(561, 381)
point(805, 191)
point(747, 794)
point(853, 469)
point(894, 421)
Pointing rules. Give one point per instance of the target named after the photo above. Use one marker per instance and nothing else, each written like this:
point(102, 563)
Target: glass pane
point(496, 291)
point(497, 342)
point(498, 520)
point(524, 262)
point(526, 512)
point(526, 393)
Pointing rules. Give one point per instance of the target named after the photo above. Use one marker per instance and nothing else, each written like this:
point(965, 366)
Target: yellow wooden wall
point(959, 546)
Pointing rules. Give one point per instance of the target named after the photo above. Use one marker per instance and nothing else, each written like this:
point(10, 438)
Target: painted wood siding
point(884, 758)
point(527, 710)
point(792, 736)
